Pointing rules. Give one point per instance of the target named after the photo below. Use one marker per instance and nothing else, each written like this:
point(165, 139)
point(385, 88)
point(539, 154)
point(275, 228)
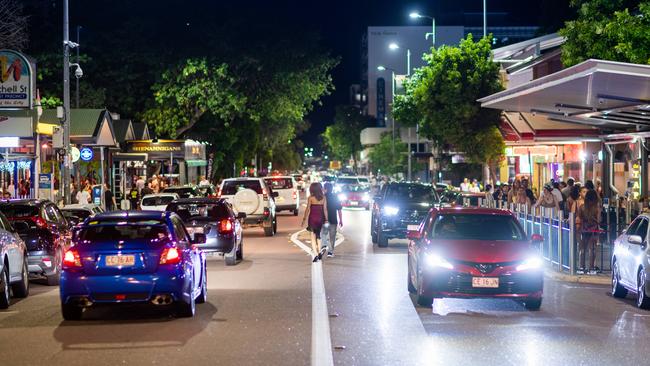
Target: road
point(261, 312)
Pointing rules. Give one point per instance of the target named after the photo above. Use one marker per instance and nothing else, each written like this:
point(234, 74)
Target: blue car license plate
point(120, 260)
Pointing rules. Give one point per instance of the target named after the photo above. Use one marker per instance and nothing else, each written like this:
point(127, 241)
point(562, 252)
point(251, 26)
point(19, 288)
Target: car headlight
point(391, 211)
point(436, 261)
point(342, 197)
point(366, 197)
point(531, 263)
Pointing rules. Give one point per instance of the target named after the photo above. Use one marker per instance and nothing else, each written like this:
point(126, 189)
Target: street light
point(393, 47)
point(416, 15)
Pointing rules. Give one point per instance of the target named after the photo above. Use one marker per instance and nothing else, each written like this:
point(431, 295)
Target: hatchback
point(474, 252)
point(133, 257)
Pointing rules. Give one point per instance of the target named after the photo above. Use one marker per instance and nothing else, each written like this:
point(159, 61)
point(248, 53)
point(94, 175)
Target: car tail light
point(225, 226)
point(295, 194)
point(40, 222)
point(219, 193)
point(267, 212)
point(71, 259)
point(265, 194)
point(170, 256)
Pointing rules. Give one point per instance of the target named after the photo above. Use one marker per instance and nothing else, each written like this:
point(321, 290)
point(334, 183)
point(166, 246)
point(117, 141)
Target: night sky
point(339, 22)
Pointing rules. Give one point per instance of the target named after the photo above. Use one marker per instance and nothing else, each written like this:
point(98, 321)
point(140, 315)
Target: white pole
point(484, 19)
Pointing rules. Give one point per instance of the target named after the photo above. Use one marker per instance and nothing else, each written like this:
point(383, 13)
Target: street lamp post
point(484, 19)
point(416, 15)
point(395, 46)
point(66, 104)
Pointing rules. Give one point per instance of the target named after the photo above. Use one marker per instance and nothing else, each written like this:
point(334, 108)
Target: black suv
point(45, 232)
point(399, 207)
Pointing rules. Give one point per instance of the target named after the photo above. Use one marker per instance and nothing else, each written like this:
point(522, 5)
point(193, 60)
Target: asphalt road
point(260, 313)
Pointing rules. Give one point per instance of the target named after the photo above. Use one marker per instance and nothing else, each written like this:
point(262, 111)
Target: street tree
point(387, 160)
point(616, 30)
point(13, 25)
point(342, 138)
point(441, 98)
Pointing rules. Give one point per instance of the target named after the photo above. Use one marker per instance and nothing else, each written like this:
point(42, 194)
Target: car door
point(188, 250)
point(9, 243)
point(622, 251)
point(636, 251)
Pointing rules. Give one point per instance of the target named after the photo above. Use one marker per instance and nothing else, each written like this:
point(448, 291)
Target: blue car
point(133, 257)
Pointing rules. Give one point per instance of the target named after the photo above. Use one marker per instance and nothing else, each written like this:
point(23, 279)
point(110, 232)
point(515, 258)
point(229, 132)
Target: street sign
point(86, 154)
point(57, 137)
point(45, 181)
point(75, 154)
point(16, 80)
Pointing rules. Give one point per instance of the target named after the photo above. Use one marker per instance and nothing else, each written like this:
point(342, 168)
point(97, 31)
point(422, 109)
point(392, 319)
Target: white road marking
point(321, 340)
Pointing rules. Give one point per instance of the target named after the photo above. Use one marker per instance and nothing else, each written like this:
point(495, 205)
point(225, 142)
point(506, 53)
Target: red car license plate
point(485, 282)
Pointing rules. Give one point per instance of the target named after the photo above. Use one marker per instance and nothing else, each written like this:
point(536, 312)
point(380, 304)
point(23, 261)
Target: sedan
point(14, 276)
point(158, 201)
point(133, 257)
point(216, 219)
point(474, 253)
point(631, 262)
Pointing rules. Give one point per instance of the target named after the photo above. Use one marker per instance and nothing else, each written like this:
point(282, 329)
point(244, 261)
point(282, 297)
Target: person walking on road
point(315, 217)
point(334, 218)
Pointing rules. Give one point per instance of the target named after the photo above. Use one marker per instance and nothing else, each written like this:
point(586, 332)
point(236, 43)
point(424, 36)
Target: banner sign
point(16, 80)
point(45, 181)
point(161, 150)
point(381, 102)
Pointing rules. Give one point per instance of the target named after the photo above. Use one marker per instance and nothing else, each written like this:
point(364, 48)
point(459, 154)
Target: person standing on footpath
point(315, 218)
point(109, 198)
point(334, 219)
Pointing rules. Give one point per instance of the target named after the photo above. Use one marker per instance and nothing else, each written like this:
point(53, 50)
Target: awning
point(117, 156)
point(604, 94)
point(196, 162)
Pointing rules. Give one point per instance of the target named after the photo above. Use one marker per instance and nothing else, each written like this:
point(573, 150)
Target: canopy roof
point(612, 96)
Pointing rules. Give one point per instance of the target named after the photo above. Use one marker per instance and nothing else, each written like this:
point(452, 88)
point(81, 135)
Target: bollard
point(572, 244)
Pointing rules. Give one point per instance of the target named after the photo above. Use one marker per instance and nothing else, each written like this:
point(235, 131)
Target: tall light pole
point(77, 78)
point(67, 45)
point(484, 19)
point(416, 15)
point(395, 46)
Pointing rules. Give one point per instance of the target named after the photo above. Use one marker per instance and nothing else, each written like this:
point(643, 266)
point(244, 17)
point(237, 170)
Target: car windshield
point(476, 227)
point(411, 193)
point(363, 180)
point(207, 211)
point(14, 211)
point(103, 232)
point(205, 190)
point(279, 183)
point(157, 200)
point(183, 192)
point(355, 188)
point(344, 181)
point(82, 214)
point(231, 187)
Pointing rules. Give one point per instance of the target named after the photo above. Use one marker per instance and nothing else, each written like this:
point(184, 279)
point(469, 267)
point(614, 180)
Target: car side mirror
point(241, 215)
point(20, 226)
point(199, 238)
point(275, 194)
point(536, 239)
point(635, 239)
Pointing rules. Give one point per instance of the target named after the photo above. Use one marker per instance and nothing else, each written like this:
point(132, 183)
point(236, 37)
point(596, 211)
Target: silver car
point(630, 264)
point(13, 263)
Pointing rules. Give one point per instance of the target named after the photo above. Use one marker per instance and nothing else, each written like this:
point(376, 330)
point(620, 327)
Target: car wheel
point(617, 290)
point(185, 309)
point(421, 298)
point(55, 278)
point(21, 289)
point(382, 240)
point(295, 212)
point(4, 287)
point(373, 234)
point(71, 311)
point(268, 231)
point(203, 296)
point(533, 303)
point(642, 300)
point(275, 225)
point(240, 251)
point(231, 257)
point(410, 285)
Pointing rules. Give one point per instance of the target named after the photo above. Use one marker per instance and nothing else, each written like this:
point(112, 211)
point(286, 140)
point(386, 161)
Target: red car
point(468, 252)
point(355, 196)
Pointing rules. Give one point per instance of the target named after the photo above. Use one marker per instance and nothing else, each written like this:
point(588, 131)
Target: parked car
point(474, 252)
point(77, 213)
point(254, 198)
point(399, 207)
point(631, 263)
point(456, 198)
point(133, 257)
point(216, 219)
point(207, 190)
point(14, 273)
point(45, 231)
point(183, 191)
point(158, 201)
point(355, 196)
point(288, 198)
point(300, 181)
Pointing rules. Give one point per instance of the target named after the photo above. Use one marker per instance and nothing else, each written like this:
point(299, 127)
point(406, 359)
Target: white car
point(345, 181)
point(13, 262)
point(288, 198)
point(77, 213)
point(254, 198)
point(157, 202)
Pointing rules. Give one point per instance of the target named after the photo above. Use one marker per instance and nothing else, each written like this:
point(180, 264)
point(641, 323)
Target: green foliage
point(382, 158)
point(616, 30)
point(342, 137)
point(441, 98)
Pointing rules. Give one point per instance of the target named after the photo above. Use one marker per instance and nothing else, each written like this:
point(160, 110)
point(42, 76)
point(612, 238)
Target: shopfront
point(180, 161)
point(17, 174)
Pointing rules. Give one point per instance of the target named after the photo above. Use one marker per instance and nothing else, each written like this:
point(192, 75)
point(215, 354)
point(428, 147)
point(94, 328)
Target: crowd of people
point(9, 190)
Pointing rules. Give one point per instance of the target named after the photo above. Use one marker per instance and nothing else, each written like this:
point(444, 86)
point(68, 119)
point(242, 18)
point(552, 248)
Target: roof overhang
point(603, 94)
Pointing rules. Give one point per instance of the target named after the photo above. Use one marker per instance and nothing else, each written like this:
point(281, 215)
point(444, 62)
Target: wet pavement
point(260, 313)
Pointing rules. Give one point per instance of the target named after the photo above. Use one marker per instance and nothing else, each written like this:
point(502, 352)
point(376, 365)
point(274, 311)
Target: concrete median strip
point(321, 341)
point(588, 279)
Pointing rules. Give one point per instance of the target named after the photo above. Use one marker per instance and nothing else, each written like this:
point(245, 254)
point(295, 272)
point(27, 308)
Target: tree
point(616, 30)
point(13, 25)
point(441, 98)
point(342, 138)
point(382, 158)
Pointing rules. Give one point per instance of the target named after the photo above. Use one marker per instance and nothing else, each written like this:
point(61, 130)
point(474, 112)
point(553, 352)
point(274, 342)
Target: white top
point(204, 182)
point(83, 196)
point(558, 195)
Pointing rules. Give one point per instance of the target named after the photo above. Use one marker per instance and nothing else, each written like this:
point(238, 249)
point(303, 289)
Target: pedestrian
point(73, 194)
point(529, 192)
point(474, 187)
point(147, 190)
point(28, 189)
point(134, 197)
point(512, 194)
point(139, 183)
point(109, 198)
point(522, 199)
point(566, 191)
point(489, 198)
point(547, 199)
point(204, 181)
point(334, 219)
point(465, 185)
point(11, 189)
point(588, 224)
point(83, 196)
point(558, 194)
point(573, 201)
point(315, 218)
